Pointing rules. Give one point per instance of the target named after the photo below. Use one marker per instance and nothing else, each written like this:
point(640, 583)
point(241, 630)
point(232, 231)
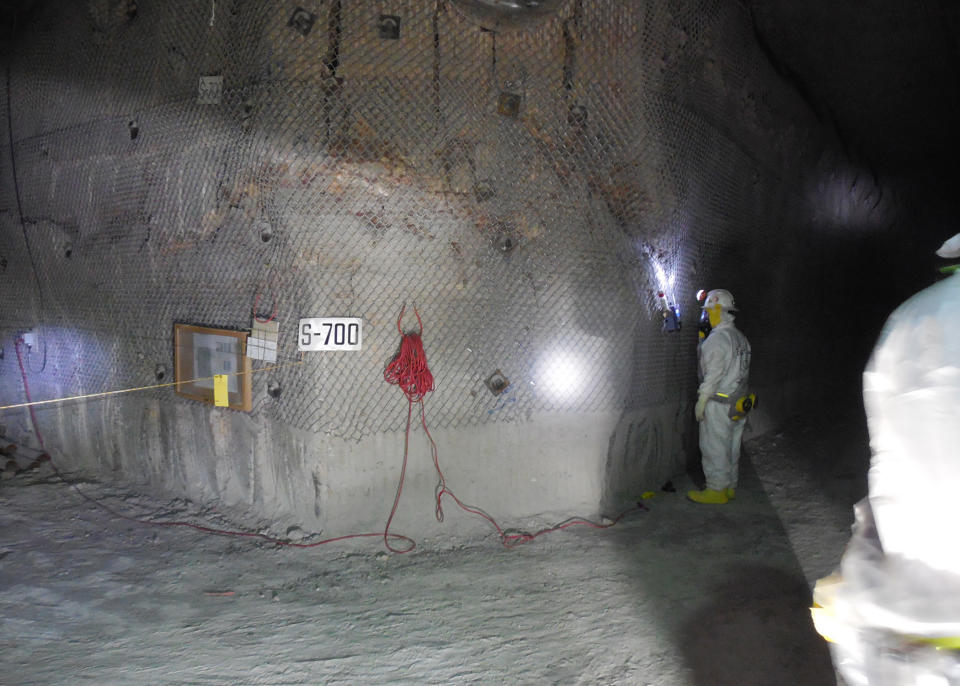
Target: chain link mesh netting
point(529, 191)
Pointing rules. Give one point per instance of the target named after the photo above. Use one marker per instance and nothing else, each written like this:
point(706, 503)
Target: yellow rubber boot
point(709, 496)
point(731, 493)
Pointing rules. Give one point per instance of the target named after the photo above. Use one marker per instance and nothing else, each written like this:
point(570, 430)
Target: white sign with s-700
point(330, 333)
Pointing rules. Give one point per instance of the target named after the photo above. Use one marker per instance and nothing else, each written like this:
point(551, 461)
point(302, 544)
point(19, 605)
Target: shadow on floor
point(728, 587)
point(754, 628)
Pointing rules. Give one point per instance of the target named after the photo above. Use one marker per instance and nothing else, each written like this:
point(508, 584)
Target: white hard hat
point(720, 297)
point(950, 247)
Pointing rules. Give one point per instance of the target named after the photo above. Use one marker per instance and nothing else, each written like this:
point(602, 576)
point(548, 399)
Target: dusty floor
point(680, 594)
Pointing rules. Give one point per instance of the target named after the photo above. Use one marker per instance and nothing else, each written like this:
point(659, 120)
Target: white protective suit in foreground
point(893, 610)
point(725, 368)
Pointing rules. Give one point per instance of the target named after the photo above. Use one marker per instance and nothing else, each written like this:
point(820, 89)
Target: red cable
point(410, 372)
point(508, 540)
point(396, 498)
point(256, 301)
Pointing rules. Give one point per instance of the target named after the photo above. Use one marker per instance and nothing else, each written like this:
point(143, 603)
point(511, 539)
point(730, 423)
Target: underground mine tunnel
point(221, 222)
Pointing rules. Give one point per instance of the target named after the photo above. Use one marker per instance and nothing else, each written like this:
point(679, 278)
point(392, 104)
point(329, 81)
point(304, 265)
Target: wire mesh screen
point(528, 191)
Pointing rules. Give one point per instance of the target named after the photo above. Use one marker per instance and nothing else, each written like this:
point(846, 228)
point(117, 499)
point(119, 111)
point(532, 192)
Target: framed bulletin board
point(200, 353)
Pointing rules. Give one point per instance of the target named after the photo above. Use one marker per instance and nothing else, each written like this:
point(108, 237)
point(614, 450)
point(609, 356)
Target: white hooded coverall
point(724, 368)
point(899, 582)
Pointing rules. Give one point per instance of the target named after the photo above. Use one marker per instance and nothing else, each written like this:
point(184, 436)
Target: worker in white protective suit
point(892, 609)
point(724, 360)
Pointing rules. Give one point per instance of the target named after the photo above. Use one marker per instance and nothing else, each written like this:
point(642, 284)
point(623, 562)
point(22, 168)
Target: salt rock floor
point(679, 594)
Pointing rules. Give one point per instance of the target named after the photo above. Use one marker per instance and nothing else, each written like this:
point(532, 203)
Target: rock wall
point(529, 190)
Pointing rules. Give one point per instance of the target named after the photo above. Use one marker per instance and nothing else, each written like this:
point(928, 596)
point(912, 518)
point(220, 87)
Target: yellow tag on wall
point(221, 397)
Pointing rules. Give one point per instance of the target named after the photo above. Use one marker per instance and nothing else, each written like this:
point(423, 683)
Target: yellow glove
point(700, 408)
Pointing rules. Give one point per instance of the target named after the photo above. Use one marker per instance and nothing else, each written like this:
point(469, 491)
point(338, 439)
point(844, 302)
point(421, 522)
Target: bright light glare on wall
point(663, 280)
point(665, 283)
point(561, 376)
point(669, 308)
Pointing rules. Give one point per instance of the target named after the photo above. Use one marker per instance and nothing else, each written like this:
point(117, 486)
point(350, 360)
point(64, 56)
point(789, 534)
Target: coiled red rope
point(409, 369)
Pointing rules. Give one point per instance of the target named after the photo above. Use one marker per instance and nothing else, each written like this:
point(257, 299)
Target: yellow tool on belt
point(740, 407)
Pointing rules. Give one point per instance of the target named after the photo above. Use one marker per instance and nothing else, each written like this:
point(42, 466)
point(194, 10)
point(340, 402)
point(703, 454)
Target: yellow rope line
point(144, 388)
